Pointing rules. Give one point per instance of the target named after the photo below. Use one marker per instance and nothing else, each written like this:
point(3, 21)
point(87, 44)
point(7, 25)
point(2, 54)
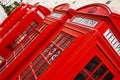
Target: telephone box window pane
point(28, 30)
point(28, 76)
point(36, 60)
point(31, 27)
point(59, 37)
point(51, 52)
point(57, 15)
point(92, 64)
point(67, 42)
point(25, 72)
point(100, 72)
point(85, 21)
point(47, 49)
point(60, 43)
point(34, 23)
point(63, 39)
point(42, 69)
point(55, 56)
point(81, 76)
point(109, 76)
point(42, 27)
point(39, 64)
point(14, 43)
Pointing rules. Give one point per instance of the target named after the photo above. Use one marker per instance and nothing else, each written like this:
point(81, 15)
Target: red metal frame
point(80, 49)
point(11, 19)
point(89, 44)
point(23, 18)
point(34, 40)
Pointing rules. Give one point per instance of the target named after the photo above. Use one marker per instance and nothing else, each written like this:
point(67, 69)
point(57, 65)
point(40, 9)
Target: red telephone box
point(19, 26)
point(87, 47)
point(13, 18)
point(94, 53)
point(35, 40)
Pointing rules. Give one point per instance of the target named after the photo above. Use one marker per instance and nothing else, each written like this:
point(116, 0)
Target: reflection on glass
point(51, 52)
point(97, 75)
point(92, 64)
point(67, 42)
point(109, 76)
point(42, 69)
point(81, 76)
point(55, 56)
point(47, 49)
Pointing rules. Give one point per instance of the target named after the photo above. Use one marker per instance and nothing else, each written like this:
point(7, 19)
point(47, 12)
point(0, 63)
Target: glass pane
point(81, 76)
point(92, 64)
point(34, 34)
point(14, 43)
point(36, 67)
point(30, 27)
point(63, 39)
point(34, 23)
point(51, 52)
point(67, 42)
point(98, 74)
point(26, 42)
point(36, 60)
point(28, 30)
point(25, 72)
point(42, 69)
point(28, 76)
point(59, 37)
point(109, 76)
point(55, 56)
point(42, 27)
point(47, 49)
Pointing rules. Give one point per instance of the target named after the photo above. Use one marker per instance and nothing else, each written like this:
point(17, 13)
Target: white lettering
point(112, 40)
point(85, 21)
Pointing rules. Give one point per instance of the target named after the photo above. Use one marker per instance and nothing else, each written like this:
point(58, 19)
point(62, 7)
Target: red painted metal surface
point(32, 42)
point(94, 52)
point(17, 38)
point(12, 18)
point(85, 47)
point(23, 21)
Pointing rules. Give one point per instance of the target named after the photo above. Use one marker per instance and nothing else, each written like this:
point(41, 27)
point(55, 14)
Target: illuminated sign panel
point(113, 41)
point(41, 14)
point(57, 15)
point(85, 21)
